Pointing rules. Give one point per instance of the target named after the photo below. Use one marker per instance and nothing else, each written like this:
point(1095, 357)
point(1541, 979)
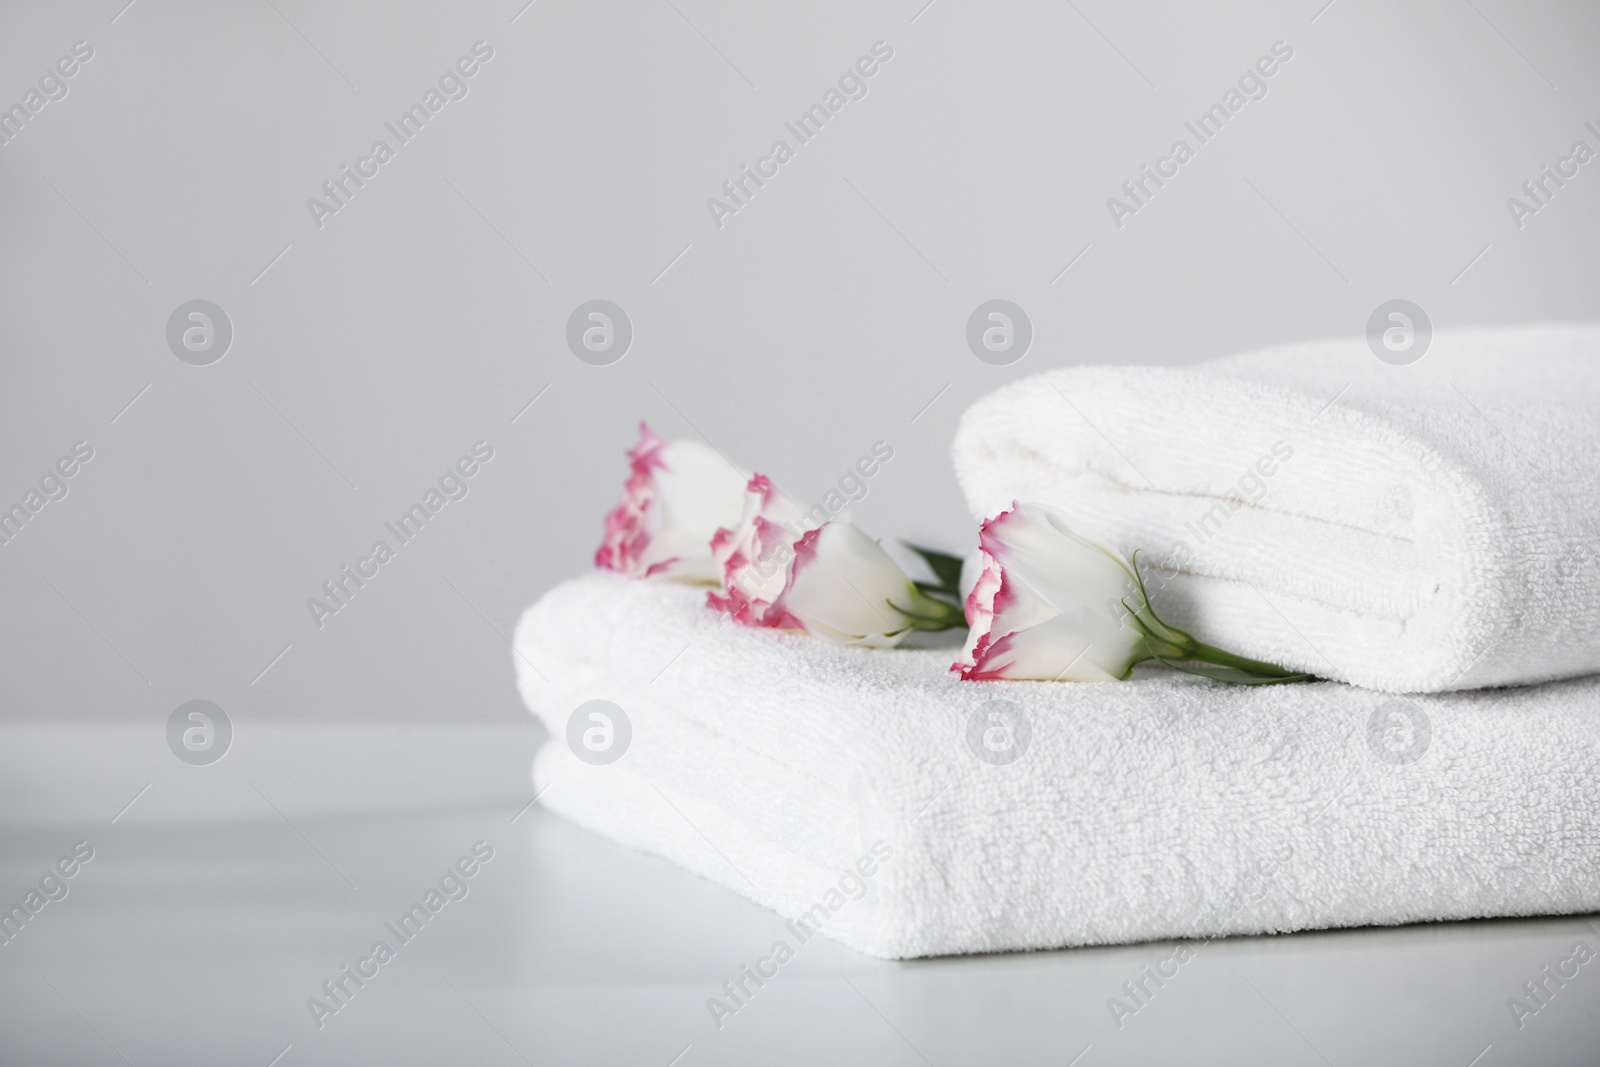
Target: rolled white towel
point(1410, 528)
point(871, 796)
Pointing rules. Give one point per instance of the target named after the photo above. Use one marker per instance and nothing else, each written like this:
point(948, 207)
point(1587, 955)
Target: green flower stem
point(930, 613)
point(1221, 657)
point(1174, 647)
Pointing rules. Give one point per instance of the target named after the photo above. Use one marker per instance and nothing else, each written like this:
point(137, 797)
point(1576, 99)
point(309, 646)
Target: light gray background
point(823, 317)
point(801, 332)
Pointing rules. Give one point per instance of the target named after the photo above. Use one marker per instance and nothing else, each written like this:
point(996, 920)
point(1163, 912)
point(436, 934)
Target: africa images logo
point(52, 86)
point(453, 885)
point(1252, 85)
point(341, 589)
point(342, 188)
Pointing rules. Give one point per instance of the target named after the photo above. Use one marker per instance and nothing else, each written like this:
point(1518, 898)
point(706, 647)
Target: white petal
point(844, 585)
point(1058, 612)
point(696, 493)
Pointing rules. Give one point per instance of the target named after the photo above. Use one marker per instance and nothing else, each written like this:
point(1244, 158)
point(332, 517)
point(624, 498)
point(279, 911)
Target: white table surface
point(219, 902)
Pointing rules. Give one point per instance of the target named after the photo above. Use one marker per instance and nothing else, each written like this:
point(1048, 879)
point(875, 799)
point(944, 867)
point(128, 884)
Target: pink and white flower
point(844, 588)
point(833, 582)
point(1049, 603)
point(676, 498)
point(754, 556)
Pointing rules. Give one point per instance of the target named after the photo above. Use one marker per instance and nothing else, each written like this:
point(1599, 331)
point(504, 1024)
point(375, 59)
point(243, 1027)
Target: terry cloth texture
point(1412, 528)
point(1020, 815)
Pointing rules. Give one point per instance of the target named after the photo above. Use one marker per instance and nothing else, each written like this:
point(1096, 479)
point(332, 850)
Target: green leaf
point(945, 567)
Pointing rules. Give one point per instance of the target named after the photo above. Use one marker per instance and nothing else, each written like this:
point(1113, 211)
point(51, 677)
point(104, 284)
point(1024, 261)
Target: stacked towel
point(1410, 528)
point(871, 796)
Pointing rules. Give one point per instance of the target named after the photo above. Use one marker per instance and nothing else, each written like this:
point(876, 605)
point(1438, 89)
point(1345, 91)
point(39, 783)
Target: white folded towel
point(805, 775)
point(1410, 528)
